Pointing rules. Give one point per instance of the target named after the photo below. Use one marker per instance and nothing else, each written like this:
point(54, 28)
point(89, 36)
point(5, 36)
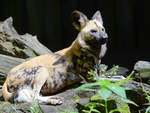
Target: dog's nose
point(103, 35)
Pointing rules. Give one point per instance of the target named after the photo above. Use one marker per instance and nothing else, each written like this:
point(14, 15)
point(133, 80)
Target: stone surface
point(15, 48)
point(115, 74)
point(142, 66)
point(142, 71)
point(71, 97)
point(120, 71)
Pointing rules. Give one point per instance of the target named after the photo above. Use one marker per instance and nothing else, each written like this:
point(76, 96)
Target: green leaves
point(68, 111)
point(35, 108)
point(125, 100)
point(85, 87)
point(104, 93)
point(148, 110)
point(120, 91)
point(105, 88)
point(91, 106)
point(95, 110)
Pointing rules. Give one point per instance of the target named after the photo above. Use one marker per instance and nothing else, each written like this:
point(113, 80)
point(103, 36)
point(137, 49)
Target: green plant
point(148, 104)
point(91, 106)
point(35, 107)
point(148, 98)
point(114, 70)
point(105, 88)
point(68, 111)
point(6, 104)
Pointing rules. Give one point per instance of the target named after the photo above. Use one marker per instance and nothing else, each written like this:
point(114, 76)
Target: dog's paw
point(55, 100)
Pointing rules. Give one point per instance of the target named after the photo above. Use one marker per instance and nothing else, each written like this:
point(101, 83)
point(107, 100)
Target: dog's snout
point(103, 35)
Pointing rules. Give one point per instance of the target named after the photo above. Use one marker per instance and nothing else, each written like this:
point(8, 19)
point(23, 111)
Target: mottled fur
point(47, 74)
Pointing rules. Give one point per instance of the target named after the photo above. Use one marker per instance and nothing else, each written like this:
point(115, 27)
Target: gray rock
point(15, 48)
point(142, 71)
point(142, 66)
point(120, 71)
point(115, 74)
point(71, 97)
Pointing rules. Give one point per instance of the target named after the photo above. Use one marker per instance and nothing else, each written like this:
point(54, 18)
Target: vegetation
point(148, 98)
point(103, 91)
point(68, 111)
point(34, 108)
point(12, 110)
point(105, 88)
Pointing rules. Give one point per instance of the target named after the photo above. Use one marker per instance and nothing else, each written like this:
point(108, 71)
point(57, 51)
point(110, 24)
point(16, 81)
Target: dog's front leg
point(54, 100)
point(97, 69)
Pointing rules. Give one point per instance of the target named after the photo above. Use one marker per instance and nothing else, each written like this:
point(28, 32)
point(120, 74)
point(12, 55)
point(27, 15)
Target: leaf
point(103, 83)
point(147, 110)
point(88, 89)
point(148, 98)
point(95, 97)
point(114, 110)
point(128, 79)
point(95, 110)
point(85, 111)
point(117, 89)
point(104, 93)
point(32, 110)
point(6, 103)
point(119, 110)
point(82, 87)
point(147, 104)
point(91, 72)
point(128, 101)
point(90, 104)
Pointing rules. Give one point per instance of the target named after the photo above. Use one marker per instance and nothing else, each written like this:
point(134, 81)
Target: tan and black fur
point(44, 75)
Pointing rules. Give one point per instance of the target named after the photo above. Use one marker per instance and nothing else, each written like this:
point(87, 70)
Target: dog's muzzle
point(101, 37)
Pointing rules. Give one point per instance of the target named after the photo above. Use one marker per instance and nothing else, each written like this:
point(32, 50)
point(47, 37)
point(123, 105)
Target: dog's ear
point(79, 20)
point(98, 16)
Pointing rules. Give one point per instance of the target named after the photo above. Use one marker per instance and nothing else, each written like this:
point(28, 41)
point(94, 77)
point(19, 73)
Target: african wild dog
point(46, 74)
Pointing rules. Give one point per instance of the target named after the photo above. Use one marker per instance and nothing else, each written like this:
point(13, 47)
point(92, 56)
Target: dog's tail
point(6, 95)
point(22, 95)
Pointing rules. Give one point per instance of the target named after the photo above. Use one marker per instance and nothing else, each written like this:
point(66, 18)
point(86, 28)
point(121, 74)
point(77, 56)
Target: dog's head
point(91, 32)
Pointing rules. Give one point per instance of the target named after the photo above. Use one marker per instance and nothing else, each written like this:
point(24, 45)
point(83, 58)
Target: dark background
point(127, 23)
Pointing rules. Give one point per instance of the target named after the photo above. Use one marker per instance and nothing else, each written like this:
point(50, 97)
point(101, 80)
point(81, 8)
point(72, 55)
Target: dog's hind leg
point(31, 92)
point(37, 85)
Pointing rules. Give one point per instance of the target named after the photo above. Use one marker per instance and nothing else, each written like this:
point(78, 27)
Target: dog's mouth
point(101, 41)
point(96, 43)
point(99, 37)
point(102, 38)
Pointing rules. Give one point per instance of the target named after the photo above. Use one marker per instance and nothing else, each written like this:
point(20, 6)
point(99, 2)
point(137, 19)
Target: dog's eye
point(103, 29)
point(93, 31)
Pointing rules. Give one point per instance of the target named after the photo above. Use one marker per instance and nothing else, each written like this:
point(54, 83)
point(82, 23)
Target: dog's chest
point(83, 63)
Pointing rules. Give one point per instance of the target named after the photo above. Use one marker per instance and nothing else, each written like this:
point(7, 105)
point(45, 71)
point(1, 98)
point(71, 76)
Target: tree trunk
point(15, 48)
